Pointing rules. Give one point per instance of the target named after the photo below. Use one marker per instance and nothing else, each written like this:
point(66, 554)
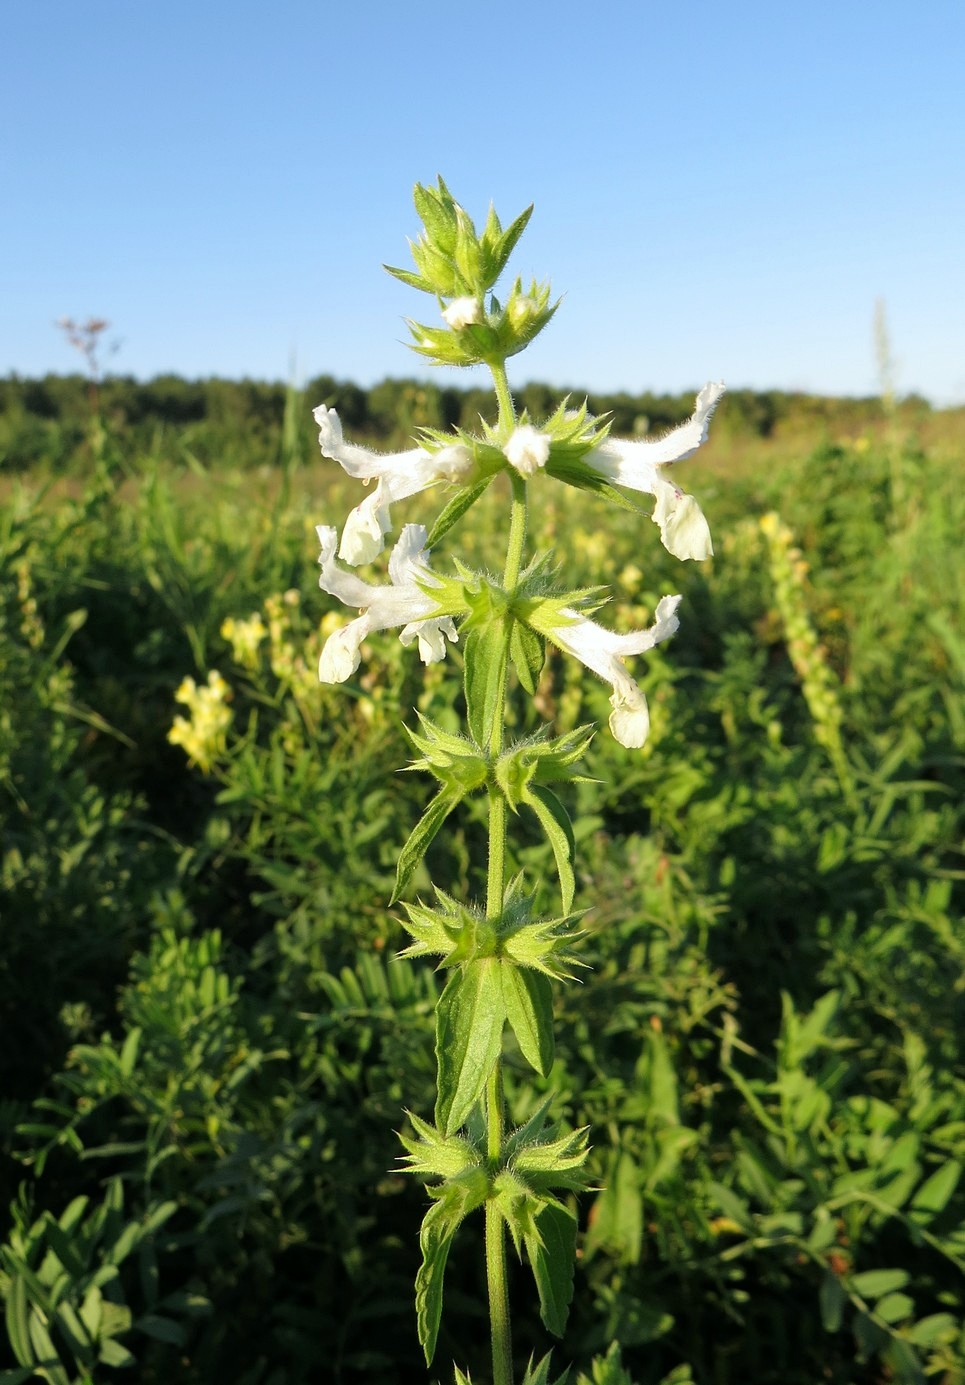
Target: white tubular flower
point(462, 312)
point(527, 449)
point(398, 475)
point(403, 602)
point(604, 650)
point(683, 529)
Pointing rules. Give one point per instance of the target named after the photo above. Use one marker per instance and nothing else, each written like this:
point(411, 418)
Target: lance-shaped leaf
point(438, 211)
point(421, 836)
point(456, 508)
point(529, 1009)
point(504, 242)
point(555, 822)
point(485, 654)
point(469, 1026)
point(527, 653)
point(455, 1200)
point(552, 1254)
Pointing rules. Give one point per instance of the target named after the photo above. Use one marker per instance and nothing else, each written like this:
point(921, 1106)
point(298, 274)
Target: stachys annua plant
point(500, 956)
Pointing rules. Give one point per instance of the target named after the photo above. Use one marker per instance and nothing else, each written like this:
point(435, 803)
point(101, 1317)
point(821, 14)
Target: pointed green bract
point(435, 1155)
point(539, 1374)
point(456, 761)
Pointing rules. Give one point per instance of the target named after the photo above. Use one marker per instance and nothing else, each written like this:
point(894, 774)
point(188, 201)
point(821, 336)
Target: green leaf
point(78, 1339)
point(421, 836)
point(161, 1329)
point(902, 1361)
point(48, 1362)
point(437, 213)
point(875, 1283)
point(18, 1327)
point(129, 1052)
point(114, 1353)
point(65, 1251)
point(617, 1223)
point(484, 660)
point(454, 511)
point(439, 1227)
point(528, 998)
point(895, 1307)
point(933, 1195)
point(658, 1080)
point(16, 1377)
point(553, 1256)
point(555, 822)
point(469, 1026)
point(414, 281)
point(527, 653)
point(931, 1331)
point(733, 1207)
point(810, 1030)
point(507, 241)
point(832, 1298)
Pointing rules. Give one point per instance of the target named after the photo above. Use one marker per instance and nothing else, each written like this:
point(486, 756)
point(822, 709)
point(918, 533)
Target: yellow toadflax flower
point(202, 734)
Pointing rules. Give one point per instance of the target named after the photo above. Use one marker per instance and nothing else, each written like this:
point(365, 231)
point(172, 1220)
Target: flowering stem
point(498, 1296)
point(501, 1335)
point(507, 409)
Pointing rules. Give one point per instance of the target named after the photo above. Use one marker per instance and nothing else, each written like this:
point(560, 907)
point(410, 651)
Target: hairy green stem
point(507, 409)
point(501, 1335)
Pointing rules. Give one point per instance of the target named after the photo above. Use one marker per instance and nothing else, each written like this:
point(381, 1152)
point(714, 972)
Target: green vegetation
point(208, 1041)
point(47, 421)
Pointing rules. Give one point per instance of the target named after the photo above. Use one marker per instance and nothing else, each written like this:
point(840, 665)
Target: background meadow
point(207, 1040)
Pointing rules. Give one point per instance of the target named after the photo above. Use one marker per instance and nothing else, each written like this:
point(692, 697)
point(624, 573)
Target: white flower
point(636, 465)
point(403, 602)
point(604, 650)
point(527, 449)
point(398, 475)
point(462, 312)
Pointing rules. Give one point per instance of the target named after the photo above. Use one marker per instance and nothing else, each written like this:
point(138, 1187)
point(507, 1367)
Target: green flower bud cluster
point(460, 267)
point(788, 569)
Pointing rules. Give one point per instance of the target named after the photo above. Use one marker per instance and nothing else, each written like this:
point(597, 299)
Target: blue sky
point(722, 191)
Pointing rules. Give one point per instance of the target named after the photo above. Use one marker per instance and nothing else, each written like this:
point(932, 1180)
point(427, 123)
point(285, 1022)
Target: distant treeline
point(248, 421)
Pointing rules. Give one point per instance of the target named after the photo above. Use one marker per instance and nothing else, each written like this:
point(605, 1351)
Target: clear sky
point(721, 190)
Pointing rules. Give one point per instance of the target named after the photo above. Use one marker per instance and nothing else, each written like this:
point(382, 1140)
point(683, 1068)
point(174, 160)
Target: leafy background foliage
point(210, 1043)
